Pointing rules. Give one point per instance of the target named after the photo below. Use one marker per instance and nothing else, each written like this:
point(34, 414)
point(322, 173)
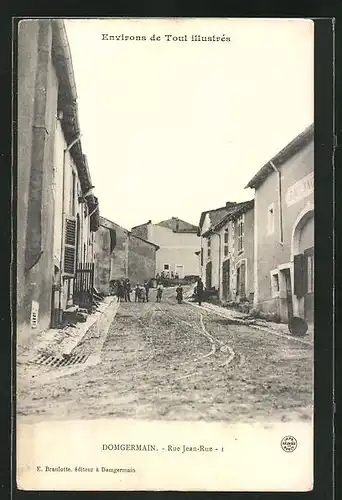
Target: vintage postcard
point(165, 258)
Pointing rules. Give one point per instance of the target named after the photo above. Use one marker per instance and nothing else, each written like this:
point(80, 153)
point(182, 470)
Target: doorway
point(309, 284)
point(285, 295)
point(179, 270)
point(208, 271)
point(226, 279)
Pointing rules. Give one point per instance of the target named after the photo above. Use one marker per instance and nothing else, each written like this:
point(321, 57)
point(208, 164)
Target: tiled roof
point(240, 208)
point(178, 225)
point(216, 214)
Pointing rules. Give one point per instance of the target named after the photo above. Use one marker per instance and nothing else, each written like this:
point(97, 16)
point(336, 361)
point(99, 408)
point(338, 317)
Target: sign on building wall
point(300, 190)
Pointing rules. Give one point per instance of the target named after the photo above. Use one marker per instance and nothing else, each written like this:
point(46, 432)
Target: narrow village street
point(175, 362)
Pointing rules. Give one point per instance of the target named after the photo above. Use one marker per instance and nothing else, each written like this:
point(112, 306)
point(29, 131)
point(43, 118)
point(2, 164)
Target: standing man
point(127, 289)
point(120, 290)
point(200, 289)
point(147, 288)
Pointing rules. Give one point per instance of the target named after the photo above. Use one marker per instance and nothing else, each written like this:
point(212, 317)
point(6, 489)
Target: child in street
point(159, 292)
point(137, 293)
point(142, 294)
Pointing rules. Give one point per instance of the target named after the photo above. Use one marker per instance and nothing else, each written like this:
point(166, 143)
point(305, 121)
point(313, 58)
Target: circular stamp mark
point(288, 444)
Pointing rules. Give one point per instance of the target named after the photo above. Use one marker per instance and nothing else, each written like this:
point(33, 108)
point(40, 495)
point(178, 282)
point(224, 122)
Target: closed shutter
point(70, 246)
point(112, 234)
point(299, 275)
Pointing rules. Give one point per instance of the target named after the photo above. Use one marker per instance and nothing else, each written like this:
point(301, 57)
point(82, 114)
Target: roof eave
point(298, 143)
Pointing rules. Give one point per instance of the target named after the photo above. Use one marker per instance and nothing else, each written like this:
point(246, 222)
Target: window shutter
point(70, 246)
point(202, 256)
point(299, 272)
point(112, 234)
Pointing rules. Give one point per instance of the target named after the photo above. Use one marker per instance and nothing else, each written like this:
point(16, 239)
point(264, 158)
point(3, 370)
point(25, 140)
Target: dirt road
point(176, 362)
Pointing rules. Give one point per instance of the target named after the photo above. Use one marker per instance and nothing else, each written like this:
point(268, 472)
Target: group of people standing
point(124, 289)
point(141, 292)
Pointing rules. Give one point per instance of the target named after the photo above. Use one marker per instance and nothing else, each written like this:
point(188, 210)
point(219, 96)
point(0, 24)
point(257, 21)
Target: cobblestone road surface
point(175, 362)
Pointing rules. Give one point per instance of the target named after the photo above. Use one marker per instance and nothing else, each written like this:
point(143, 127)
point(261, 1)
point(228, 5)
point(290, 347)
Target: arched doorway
point(302, 259)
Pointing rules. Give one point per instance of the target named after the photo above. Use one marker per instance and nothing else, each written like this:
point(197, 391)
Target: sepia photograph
point(165, 254)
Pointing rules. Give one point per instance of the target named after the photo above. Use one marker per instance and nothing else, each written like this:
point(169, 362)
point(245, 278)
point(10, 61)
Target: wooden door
point(226, 279)
point(309, 284)
point(208, 271)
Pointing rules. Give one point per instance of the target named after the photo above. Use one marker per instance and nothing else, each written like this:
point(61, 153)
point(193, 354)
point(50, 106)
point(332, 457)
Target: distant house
point(177, 241)
point(284, 230)
point(120, 254)
point(227, 250)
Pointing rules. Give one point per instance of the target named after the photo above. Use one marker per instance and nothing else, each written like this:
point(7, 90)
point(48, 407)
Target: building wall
point(217, 256)
point(143, 231)
point(270, 252)
point(64, 207)
point(248, 251)
point(119, 257)
point(141, 260)
point(236, 257)
point(175, 249)
point(102, 260)
point(131, 257)
point(37, 107)
point(27, 67)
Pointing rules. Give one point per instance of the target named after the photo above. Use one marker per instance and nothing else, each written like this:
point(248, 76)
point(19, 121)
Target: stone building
point(284, 230)
point(56, 210)
point(121, 254)
point(177, 241)
point(227, 251)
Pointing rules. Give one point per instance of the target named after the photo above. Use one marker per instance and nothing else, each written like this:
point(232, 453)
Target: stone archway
point(302, 219)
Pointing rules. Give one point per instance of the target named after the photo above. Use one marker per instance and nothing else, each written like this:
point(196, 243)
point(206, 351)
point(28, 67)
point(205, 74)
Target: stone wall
point(37, 105)
point(141, 260)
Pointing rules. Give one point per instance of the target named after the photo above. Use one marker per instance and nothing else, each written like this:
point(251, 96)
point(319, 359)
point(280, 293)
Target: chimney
point(230, 204)
point(149, 222)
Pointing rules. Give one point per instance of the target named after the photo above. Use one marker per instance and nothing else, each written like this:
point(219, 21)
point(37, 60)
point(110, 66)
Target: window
point(226, 237)
point(275, 283)
point(240, 229)
point(209, 247)
point(270, 219)
point(166, 267)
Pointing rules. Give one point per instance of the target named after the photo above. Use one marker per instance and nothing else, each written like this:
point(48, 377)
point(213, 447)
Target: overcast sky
point(172, 128)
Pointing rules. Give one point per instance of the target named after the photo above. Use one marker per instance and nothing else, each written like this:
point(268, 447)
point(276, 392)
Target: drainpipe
point(66, 150)
point(219, 235)
point(281, 239)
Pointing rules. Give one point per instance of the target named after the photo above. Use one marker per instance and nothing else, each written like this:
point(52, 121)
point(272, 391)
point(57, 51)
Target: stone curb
point(70, 343)
point(251, 324)
point(235, 321)
point(62, 342)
